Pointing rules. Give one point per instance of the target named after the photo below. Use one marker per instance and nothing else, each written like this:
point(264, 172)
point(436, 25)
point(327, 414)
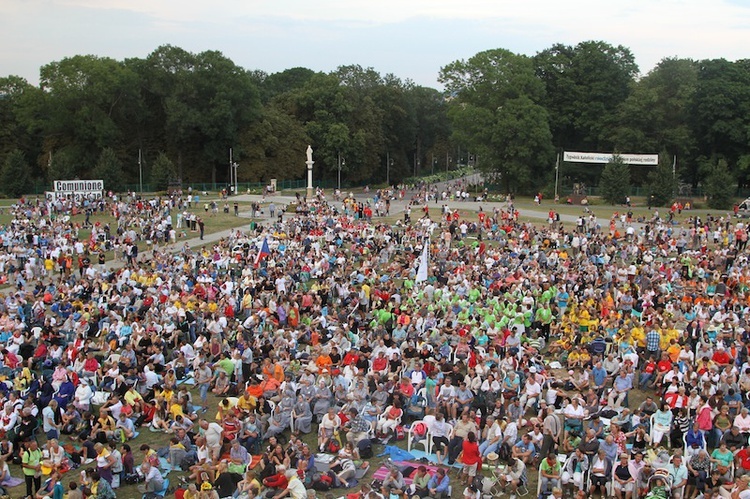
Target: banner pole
point(557, 174)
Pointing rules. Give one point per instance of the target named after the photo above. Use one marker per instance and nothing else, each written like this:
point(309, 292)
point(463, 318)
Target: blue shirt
point(441, 486)
point(599, 374)
point(621, 384)
point(610, 450)
point(524, 447)
point(694, 438)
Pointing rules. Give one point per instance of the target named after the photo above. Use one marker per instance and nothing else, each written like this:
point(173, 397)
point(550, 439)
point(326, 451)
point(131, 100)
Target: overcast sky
point(409, 38)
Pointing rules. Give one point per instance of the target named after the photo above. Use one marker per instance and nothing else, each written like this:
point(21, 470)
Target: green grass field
point(222, 222)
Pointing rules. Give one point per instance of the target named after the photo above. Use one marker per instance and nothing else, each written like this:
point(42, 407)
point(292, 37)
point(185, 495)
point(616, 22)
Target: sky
point(412, 39)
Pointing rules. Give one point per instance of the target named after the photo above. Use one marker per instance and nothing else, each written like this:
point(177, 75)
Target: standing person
point(104, 462)
point(51, 429)
point(203, 377)
point(471, 458)
point(201, 226)
point(31, 462)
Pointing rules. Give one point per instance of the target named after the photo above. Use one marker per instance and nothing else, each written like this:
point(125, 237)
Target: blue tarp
point(397, 454)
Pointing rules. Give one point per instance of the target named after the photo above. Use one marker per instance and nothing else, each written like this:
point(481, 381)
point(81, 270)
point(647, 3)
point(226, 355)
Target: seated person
point(524, 449)
point(393, 484)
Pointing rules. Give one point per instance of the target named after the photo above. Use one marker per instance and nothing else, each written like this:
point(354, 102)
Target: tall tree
point(721, 112)
point(273, 147)
point(15, 174)
point(720, 185)
point(163, 172)
point(62, 165)
point(614, 185)
point(205, 100)
point(495, 112)
point(657, 114)
point(584, 86)
point(662, 181)
point(89, 102)
point(109, 169)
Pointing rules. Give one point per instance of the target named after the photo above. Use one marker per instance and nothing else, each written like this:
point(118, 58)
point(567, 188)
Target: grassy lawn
point(222, 222)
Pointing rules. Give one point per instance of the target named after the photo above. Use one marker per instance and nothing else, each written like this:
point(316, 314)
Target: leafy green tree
point(720, 185)
point(495, 112)
point(584, 86)
point(284, 81)
point(22, 117)
point(203, 102)
point(656, 116)
point(91, 103)
point(163, 171)
point(662, 182)
point(62, 165)
point(614, 185)
point(109, 169)
point(273, 147)
point(721, 110)
point(15, 174)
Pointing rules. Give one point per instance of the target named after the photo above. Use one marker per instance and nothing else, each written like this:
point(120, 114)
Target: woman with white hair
point(83, 396)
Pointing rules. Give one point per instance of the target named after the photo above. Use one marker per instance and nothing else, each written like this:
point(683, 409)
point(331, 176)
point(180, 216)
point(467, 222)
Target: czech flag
point(263, 253)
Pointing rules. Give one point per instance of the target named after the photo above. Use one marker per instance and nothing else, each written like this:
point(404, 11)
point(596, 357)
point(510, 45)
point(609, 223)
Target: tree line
point(508, 113)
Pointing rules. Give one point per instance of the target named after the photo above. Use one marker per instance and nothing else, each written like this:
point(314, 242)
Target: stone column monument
point(309, 164)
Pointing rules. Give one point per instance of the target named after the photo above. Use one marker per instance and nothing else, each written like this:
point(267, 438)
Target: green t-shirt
point(550, 469)
point(31, 458)
point(227, 366)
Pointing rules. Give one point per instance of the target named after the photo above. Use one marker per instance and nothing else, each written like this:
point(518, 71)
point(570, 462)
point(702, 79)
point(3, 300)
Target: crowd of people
point(597, 361)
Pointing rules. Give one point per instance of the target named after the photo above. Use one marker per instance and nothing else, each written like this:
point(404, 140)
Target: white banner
point(75, 196)
point(603, 157)
point(78, 185)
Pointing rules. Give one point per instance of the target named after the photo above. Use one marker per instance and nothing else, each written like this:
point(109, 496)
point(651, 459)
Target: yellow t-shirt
point(176, 410)
point(247, 405)
point(131, 397)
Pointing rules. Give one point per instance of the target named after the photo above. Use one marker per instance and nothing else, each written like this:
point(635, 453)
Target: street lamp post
point(234, 167)
point(231, 168)
point(342, 162)
point(140, 169)
point(388, 168)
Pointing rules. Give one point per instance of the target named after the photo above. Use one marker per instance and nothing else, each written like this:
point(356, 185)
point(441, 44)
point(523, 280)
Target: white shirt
point(213, 434)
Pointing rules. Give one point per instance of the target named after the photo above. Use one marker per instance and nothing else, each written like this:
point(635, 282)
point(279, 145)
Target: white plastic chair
point(383, 417)
point(651, 428)
point(685, 446)
point(425, 440)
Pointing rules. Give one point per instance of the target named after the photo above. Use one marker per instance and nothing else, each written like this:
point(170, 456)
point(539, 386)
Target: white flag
point(422, 271)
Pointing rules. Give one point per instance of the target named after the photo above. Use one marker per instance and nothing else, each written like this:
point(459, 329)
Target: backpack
point(399, 433)
point(504, 452)
point(365, 448)
point(322, 482)
point(419, 429)
point(416, 406)
point(333, 446)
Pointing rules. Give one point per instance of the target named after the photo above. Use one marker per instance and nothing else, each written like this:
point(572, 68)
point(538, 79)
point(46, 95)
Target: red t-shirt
point(721, 357)
point(664, 365)
point(744, 457)
point(471, 453)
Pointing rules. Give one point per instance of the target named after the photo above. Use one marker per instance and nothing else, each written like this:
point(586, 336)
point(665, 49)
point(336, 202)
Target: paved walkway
point(398, 206)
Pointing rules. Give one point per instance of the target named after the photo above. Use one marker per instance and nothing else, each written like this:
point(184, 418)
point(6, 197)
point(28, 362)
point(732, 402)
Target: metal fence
point(38, 188)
